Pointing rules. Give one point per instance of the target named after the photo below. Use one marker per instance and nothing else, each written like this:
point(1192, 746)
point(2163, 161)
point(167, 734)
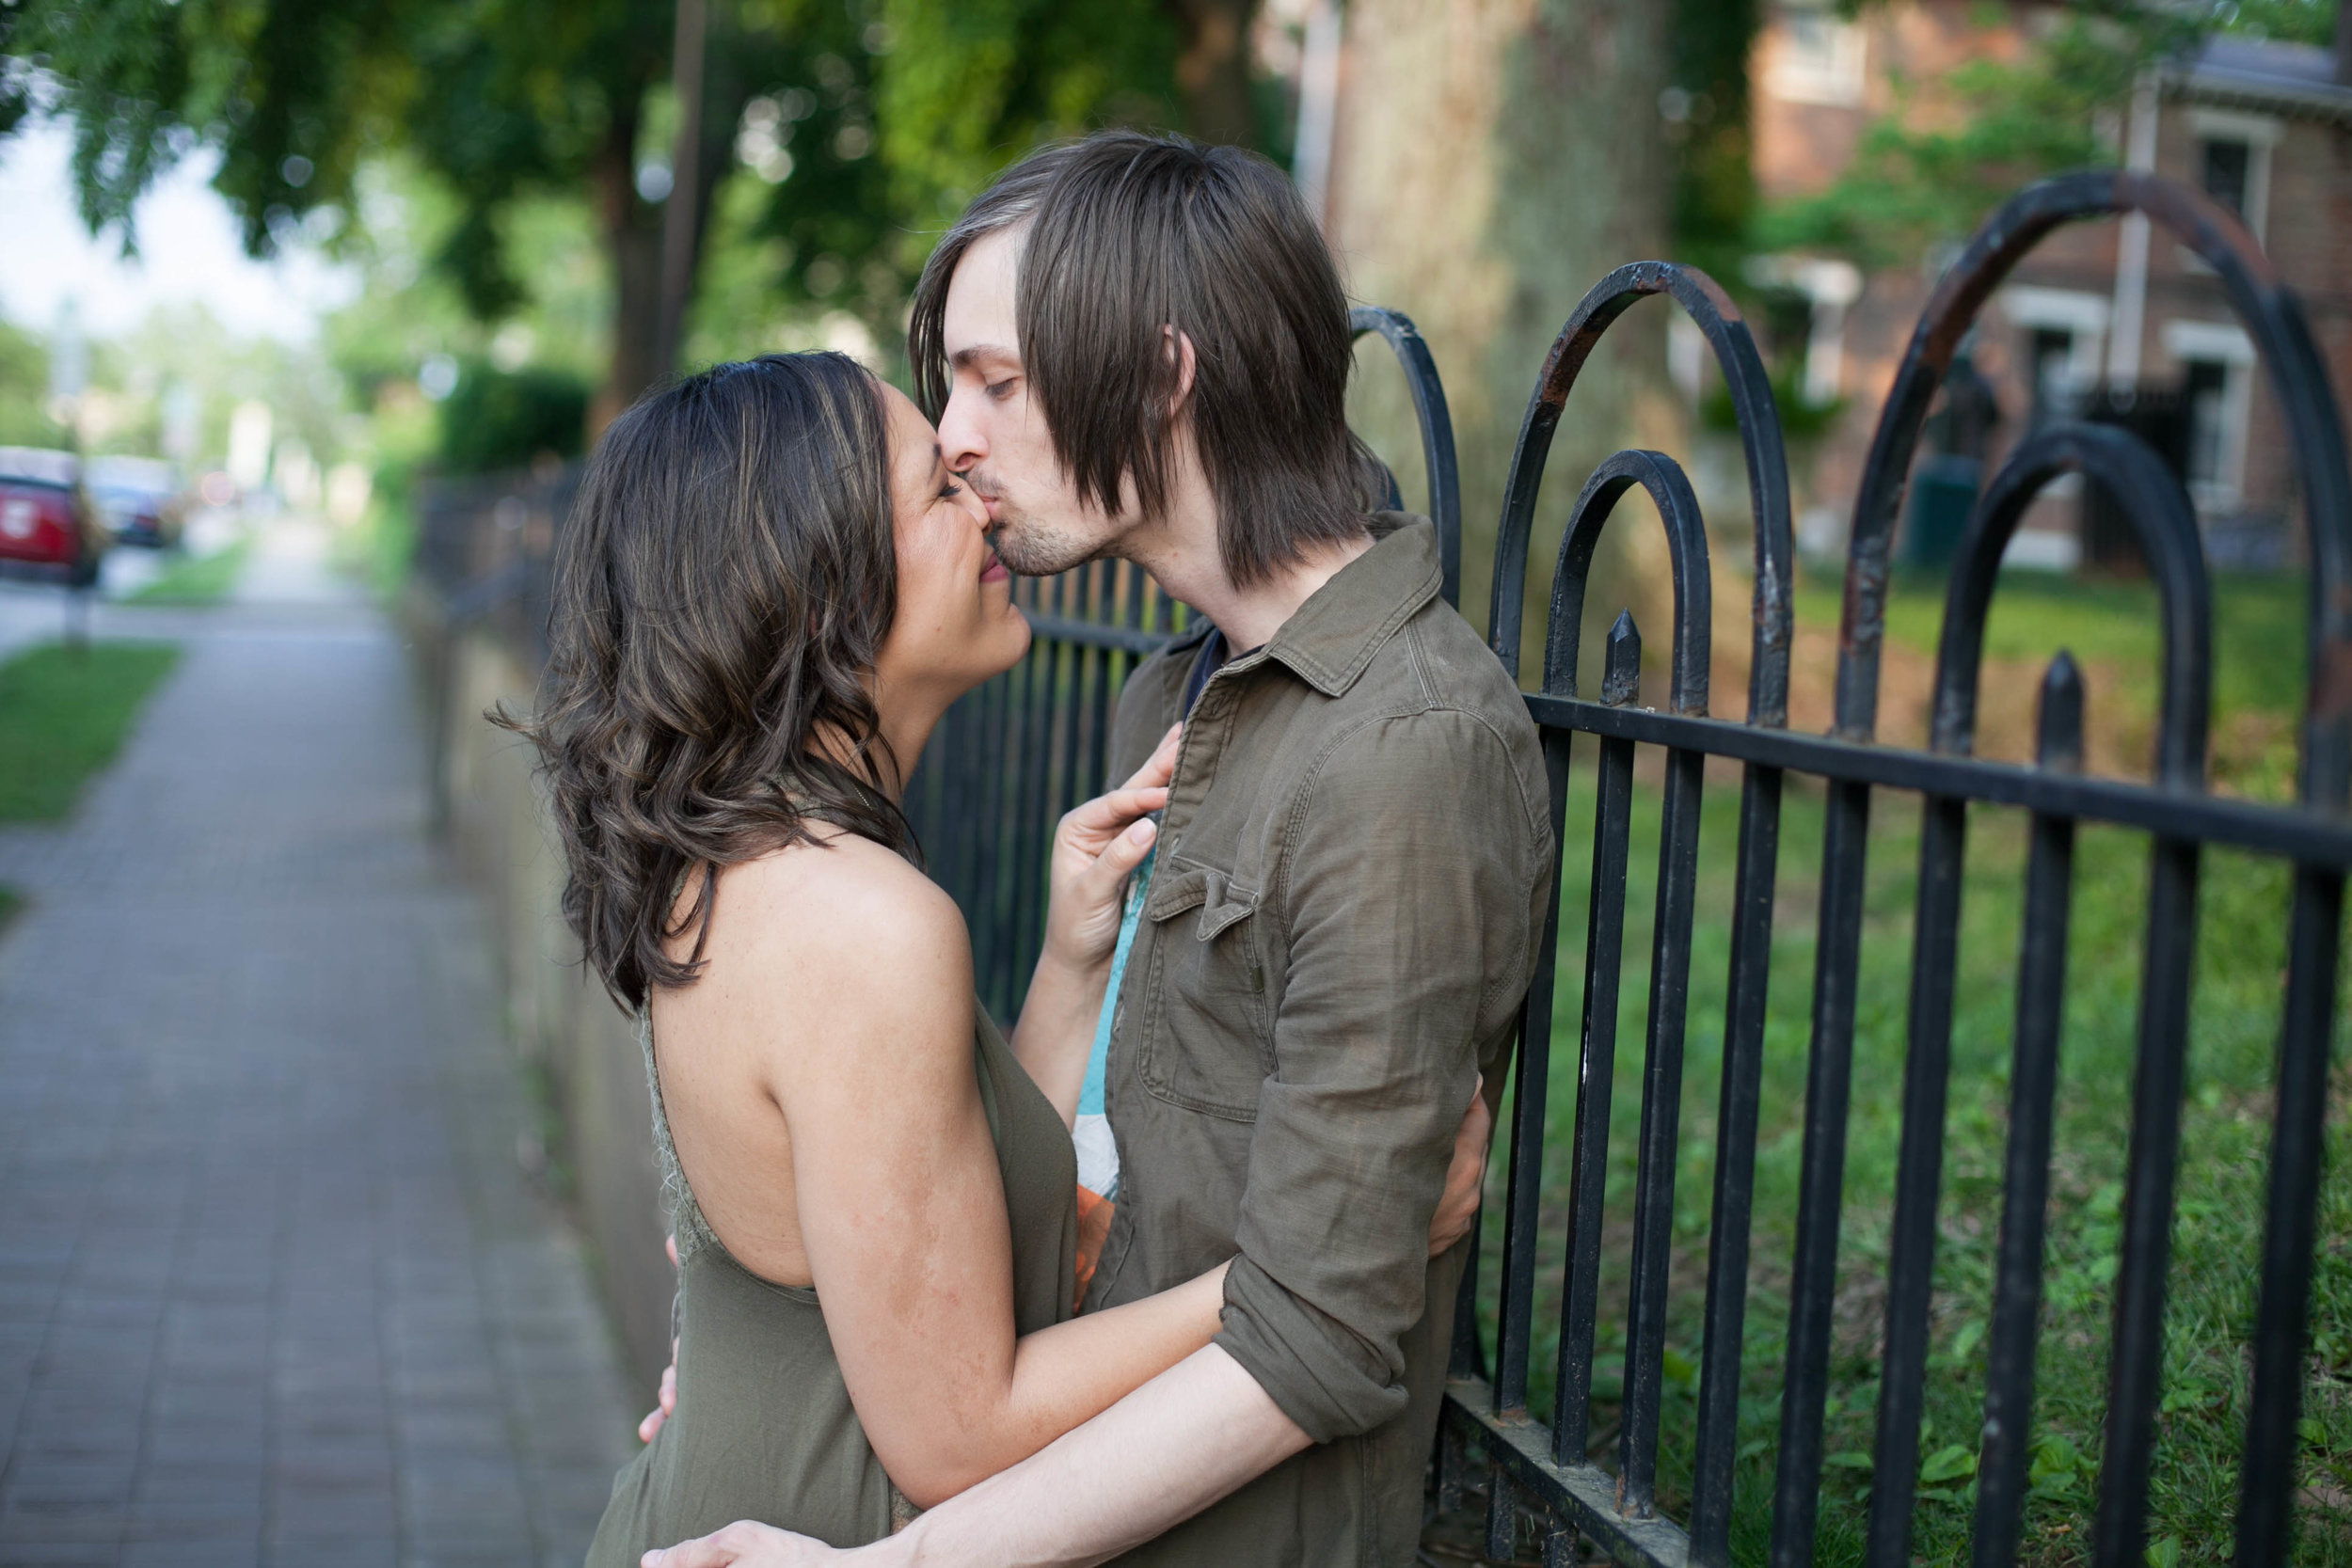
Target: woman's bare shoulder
point(847, 936)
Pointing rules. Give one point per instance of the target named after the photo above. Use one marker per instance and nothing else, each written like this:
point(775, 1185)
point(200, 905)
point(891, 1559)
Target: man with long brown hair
point(1138, 347)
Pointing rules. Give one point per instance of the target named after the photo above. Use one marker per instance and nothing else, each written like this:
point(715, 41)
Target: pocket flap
point(1199, 887)
point(1176, 889)
point(1226, 904)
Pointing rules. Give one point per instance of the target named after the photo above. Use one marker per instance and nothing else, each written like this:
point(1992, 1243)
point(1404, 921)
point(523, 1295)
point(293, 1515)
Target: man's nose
point(963, 442)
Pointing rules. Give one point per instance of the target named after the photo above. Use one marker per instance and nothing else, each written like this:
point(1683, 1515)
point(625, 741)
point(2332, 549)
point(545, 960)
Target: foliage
point(202, 580)
point(1707, 120)
point(968, 86)
point(1800, 418)
point(1951, 151)
point(24, 390)
point(2288, 20)
point(863, 121)
point(497, 419)
point(63, 714)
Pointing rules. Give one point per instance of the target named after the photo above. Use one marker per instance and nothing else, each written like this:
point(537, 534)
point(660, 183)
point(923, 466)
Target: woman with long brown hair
point(769, 590)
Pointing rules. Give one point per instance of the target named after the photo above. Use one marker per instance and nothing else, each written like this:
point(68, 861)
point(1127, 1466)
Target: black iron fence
point(1016, 753)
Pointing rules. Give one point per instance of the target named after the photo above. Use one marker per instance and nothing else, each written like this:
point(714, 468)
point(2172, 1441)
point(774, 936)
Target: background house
point(2106, 319)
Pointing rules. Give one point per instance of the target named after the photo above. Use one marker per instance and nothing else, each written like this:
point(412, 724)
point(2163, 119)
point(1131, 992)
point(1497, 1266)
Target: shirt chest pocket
point(1204, 1037)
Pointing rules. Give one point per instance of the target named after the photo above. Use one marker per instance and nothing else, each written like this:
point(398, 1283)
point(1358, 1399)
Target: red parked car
point(49, 530)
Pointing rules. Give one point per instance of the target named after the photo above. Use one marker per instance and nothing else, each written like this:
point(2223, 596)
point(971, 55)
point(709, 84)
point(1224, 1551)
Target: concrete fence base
point(566, 1030)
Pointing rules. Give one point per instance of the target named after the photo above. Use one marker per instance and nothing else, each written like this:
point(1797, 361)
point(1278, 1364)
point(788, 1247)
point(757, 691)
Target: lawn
point(198, 580)
point(63, 714)
point(2224, 1140)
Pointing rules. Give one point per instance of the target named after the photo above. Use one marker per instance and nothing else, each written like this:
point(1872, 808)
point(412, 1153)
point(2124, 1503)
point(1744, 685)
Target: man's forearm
point(1199, 1430)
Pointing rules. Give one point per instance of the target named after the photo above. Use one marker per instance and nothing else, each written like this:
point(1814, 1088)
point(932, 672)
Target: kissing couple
point(1168, 1273)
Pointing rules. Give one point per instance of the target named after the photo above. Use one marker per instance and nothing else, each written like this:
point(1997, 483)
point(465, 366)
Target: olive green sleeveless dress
point(764, 1428)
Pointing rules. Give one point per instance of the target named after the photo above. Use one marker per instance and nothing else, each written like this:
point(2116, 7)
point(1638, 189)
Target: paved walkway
point(274, 1288)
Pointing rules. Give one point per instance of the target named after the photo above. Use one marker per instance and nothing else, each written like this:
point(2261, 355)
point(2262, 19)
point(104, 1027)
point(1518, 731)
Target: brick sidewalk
point(274, 1289)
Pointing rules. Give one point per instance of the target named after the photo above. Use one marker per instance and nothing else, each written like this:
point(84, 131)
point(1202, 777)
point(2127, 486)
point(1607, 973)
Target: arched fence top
point(1663, 480)
point(2299, 377)
point(1759, 417)
point(1403, 339)
point(2160, 516)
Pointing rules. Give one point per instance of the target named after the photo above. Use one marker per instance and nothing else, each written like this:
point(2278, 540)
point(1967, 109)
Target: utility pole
point(678, 211)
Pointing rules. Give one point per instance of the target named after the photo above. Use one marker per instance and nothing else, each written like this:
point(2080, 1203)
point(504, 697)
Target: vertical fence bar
point(1829, 1081)
point(1032, 827)
point(2025, 1179)
point(1660, 1133)
point(2266, 1469)
point(2135, 1370)
point(1597, 1056)
point(1529, 1102)
point(1918, 1177)
point(1740, 1099)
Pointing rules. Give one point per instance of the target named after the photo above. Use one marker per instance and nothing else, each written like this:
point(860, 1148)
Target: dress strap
point(685, 1216)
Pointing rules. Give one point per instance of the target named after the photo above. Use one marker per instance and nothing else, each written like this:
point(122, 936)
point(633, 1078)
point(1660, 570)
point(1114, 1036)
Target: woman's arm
point(866, 1015)
point(1095, 848)
point(1178, 1444)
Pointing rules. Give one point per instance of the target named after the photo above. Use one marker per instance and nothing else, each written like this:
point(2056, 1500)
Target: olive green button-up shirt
point(1339, 927)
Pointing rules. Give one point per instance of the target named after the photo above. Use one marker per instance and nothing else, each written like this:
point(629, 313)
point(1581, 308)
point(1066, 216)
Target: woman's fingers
point(1119, 857)
point(1093, 823)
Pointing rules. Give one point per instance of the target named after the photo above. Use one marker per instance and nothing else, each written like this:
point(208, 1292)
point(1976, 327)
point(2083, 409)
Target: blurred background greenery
point(500, 181)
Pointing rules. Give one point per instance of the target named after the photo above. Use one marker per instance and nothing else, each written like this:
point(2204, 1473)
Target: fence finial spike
point(1621, 672)
point(2058, 730)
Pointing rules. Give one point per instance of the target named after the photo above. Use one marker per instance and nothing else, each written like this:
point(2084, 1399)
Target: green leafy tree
point(1707, 122)
point(24, 389)
point(867, 119)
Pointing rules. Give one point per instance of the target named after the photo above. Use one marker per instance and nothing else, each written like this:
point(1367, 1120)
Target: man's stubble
point(1033, 548)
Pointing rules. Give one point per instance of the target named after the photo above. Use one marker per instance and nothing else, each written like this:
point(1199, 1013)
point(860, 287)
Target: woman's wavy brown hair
point(723, 582)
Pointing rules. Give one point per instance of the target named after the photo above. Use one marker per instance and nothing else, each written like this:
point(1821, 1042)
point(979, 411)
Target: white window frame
point(2086, 316)
point(1837, 82)
point(2218, 342)
point(1831, 287)
point(2260, 132)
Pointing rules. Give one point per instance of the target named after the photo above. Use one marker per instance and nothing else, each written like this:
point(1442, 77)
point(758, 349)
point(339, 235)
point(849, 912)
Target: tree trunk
point(632, 241)
point(1493, 159)
point(1212, 70)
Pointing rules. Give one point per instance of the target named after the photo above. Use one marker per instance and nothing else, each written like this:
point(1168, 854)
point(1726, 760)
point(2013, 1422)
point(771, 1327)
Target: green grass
point(63, 714)
point(2257, 628)
point(2220, 1191)
point(202, 580)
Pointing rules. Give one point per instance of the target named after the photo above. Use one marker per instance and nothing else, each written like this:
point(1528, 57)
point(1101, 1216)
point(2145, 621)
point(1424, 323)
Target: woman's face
point(956, 625)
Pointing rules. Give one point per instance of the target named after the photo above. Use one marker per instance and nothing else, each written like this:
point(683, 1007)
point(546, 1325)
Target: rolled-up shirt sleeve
point(1407, 891)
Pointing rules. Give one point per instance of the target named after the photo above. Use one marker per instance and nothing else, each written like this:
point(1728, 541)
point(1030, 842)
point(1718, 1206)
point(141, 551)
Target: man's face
point(994, 434)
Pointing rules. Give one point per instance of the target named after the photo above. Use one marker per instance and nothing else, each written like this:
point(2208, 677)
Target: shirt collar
point(1329, 639)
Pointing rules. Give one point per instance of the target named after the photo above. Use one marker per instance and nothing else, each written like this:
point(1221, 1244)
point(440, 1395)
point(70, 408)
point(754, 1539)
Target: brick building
point(2265, 128)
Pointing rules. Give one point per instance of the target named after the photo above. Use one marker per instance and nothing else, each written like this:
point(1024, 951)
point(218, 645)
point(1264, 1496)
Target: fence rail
point(1016, 753)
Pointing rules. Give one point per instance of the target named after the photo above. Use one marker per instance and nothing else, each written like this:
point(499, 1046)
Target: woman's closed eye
point(949, 490)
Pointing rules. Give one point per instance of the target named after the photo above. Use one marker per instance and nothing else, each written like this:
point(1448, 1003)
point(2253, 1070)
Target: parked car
point(48, 529)
point(139, 500)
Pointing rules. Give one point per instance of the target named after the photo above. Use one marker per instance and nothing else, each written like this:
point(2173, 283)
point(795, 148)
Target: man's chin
point(1034, 552)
